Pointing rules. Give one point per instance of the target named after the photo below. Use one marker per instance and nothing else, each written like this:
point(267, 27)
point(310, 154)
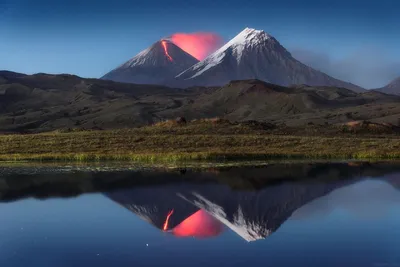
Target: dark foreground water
point(302, 215)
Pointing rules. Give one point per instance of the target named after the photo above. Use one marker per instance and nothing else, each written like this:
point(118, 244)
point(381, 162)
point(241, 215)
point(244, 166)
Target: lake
point(298, 214)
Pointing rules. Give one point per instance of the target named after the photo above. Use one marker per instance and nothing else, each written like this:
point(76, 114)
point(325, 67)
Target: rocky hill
point(44, 102)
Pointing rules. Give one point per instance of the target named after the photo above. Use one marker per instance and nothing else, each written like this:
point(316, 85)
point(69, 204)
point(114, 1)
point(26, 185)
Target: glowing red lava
point(165, 226)
point(200, 224)
point(164, 44)
point(198, 44)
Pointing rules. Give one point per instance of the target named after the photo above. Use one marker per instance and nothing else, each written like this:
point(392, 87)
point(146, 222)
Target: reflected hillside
point(18, 183)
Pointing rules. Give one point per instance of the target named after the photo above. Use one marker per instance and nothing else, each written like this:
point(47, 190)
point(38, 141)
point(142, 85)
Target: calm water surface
point(337, 215)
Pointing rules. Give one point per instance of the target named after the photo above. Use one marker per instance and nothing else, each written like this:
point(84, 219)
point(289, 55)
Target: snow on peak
point(141, 58)
point(150, 55)
point(248, 38)
point(250, 35)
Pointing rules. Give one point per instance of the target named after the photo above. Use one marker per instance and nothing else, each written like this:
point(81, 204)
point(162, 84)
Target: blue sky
point(353, 40)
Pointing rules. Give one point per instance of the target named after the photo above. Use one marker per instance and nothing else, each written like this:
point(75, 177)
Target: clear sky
point(353, 40)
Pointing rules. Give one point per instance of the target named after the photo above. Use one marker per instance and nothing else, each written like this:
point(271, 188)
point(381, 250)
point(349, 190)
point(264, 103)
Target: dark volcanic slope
point(44, 102)
point(391, 88)
point(297, 105)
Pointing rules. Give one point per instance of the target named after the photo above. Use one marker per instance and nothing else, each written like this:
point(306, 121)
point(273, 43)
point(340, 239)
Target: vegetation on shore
point(212, 139)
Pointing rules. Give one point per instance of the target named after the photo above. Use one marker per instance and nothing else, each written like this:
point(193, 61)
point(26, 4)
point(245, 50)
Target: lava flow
point(165, 226)
point(164, 44)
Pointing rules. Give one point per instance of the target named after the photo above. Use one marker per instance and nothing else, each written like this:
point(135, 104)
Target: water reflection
point(279, 215)
point(200, 209)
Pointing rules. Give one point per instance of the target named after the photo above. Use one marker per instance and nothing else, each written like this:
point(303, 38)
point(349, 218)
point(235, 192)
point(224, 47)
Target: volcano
point(201, 210)
point(392, 88)
point(155, 65)
point(254, 54)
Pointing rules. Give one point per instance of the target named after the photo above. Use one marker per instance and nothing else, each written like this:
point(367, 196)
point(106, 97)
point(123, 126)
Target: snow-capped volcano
point(155, 65)
point(248, 39)
point(254, 54)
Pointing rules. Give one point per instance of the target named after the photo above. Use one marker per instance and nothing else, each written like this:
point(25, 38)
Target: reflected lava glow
point(165, 226)
point(200, 224)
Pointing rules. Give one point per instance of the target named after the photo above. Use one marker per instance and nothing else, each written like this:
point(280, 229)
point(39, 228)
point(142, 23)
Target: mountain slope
point(154, 65)
point(44, 102)
point(391, 88)
point(254, 54)
point(260, 101)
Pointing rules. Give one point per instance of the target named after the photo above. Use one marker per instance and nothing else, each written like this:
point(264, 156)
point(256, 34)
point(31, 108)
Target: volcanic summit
point(155, 65)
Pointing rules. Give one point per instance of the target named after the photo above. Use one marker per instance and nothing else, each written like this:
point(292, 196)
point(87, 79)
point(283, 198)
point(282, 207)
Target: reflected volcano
point(165, 209)
point(251, 201)
point(201, 210)
point(309, 214)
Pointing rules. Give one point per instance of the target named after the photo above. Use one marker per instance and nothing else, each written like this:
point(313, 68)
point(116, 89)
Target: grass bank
point(196, 141)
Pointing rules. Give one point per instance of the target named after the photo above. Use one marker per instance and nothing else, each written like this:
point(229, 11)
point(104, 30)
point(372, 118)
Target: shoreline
point(189, 157)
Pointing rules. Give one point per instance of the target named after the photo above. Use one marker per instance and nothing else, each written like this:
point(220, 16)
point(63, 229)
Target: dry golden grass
point(200, 140)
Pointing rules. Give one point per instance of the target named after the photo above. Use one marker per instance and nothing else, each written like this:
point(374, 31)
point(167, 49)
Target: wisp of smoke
point(198, 44)
point(368, 67)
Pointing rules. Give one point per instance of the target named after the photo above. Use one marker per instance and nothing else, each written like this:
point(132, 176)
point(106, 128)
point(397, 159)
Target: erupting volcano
point(158, 64)
point(252, 54)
